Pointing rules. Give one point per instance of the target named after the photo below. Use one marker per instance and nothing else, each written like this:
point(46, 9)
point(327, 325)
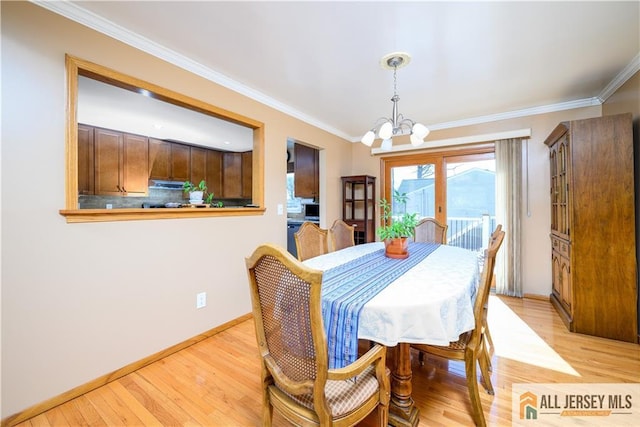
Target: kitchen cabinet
point(180, 162)
point(121, 163)
point(213, 172)
point(232, 175)
point(86, 167)
point(247, 175)
point(306, 172)
point(358, 206)
point(135, 165)
point(593, 246)
point(112, 162)
point(198, 165)
point(169, 161)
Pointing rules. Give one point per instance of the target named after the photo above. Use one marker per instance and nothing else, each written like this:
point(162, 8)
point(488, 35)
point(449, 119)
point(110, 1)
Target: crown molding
point(622, 77)
point(472, 139)
point(543, 109)
point(96, 22)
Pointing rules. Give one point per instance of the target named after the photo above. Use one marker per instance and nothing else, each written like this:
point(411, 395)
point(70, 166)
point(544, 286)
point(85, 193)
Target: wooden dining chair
point(341, 235)
point(470, 345)
point(430, 230)
point(296, 381)
point(485, 322)
point(311, 241)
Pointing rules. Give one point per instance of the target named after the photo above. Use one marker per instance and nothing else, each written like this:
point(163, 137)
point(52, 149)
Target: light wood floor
point(216, 382)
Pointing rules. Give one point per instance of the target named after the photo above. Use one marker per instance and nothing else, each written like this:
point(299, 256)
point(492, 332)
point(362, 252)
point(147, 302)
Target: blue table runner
point(348, 287)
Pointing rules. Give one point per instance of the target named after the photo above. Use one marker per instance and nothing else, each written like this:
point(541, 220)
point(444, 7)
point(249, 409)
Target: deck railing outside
point(470, 233)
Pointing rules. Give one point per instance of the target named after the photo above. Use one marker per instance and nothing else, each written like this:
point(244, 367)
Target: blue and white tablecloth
point(430, 303)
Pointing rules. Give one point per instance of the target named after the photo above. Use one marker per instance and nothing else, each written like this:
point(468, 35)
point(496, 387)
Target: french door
point(455, 187)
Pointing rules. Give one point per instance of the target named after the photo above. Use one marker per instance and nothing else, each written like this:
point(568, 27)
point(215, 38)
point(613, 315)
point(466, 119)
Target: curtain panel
point(509, 213)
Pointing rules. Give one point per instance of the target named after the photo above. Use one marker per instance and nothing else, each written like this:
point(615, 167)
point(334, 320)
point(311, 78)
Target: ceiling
point(471, 62)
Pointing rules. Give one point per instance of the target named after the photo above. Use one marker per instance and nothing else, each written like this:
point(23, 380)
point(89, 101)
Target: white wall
point(82, 300)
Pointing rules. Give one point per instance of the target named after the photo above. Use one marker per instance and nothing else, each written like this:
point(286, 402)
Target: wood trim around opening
point(75, 67)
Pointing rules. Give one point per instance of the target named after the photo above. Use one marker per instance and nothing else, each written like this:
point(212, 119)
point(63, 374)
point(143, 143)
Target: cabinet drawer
point(561, 246)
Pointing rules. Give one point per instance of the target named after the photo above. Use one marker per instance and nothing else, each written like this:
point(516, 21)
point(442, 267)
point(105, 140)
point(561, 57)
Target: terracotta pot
point(396, 248)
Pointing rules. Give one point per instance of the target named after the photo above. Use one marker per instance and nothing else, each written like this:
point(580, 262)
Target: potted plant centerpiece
point(396, 231)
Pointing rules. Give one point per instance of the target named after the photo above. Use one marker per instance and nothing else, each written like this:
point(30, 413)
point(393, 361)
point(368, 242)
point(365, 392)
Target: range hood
point(166, 185)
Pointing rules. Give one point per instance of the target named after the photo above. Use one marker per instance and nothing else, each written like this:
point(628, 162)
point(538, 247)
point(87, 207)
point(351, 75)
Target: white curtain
point(508, 266)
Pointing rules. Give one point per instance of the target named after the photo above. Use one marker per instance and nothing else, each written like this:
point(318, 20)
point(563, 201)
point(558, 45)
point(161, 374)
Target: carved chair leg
point(383, 415)
point(485, 364)
point(472, 384)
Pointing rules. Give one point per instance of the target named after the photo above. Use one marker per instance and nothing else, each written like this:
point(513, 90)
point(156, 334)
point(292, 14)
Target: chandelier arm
point(406, 122)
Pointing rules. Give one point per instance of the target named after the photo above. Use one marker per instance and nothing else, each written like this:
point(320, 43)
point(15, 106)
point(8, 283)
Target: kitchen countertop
point(300, 221)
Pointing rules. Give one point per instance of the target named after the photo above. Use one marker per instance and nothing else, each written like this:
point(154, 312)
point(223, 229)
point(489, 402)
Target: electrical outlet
point(201, 300)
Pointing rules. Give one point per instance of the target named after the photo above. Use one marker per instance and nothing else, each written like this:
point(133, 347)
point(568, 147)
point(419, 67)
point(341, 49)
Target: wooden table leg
point(402, 411)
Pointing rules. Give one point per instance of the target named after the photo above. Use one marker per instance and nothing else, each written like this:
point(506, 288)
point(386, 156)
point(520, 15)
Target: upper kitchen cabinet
point(232, 175)
point(247, 174)
point(198, 165)
point(85, 160)
point(213, 172)
point(121, 163)
point(306, 172)
point(169, 161)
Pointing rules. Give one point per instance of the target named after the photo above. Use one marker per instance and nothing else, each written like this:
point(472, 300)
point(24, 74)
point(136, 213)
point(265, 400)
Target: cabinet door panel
point(247, 174)
point(86, 168)
point(159, 159)
point(232, 175)
point(108, 161)
point(135, 165)
point(305, 171)
point(565, 283)
point(556, 278)
point(214, 172)
point(180, 162)
point(198, 165)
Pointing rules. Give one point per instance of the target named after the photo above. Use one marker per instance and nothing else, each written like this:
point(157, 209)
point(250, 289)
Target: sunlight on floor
point(519, 342)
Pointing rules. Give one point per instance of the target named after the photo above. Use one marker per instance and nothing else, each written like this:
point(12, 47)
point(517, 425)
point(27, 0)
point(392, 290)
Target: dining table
point(426, 298)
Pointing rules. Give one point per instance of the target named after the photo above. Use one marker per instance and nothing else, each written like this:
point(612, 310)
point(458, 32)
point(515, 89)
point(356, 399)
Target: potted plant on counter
point(196, 192)
point(395, 232)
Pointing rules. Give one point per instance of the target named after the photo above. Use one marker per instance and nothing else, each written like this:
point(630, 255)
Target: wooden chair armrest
point(293, 387)
point(377, 354)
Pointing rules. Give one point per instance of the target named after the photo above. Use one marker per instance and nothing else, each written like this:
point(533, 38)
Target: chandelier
point(386, 128)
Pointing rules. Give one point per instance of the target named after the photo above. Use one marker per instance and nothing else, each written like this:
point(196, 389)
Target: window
point(456, 188)
point(294, 204)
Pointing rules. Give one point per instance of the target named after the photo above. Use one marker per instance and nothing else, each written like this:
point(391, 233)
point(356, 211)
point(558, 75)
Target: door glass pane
point(471, 203)
point(418, 182)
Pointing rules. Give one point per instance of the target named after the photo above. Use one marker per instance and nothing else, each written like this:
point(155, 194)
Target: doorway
point(303, 188)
